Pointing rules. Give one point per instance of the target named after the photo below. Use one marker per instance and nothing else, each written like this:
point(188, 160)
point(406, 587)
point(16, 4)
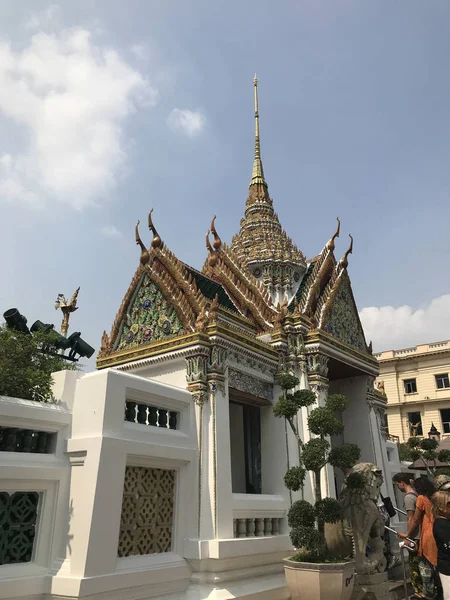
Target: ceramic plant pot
point(321, 581)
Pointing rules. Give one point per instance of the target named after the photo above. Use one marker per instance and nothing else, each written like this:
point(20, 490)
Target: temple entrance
point(245, 440)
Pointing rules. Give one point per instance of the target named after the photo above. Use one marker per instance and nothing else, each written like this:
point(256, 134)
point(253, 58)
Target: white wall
point(356, 417)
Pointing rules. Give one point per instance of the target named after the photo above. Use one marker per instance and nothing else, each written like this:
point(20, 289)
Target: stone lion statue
point(361, 531)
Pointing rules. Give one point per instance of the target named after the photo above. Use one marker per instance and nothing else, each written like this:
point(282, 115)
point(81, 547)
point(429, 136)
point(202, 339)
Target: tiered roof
point(257, 286)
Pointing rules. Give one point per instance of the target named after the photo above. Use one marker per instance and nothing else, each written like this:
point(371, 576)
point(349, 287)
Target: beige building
point(416, 383)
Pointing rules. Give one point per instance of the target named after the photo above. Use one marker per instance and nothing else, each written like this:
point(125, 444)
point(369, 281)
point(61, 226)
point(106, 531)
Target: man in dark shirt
point(441, 532)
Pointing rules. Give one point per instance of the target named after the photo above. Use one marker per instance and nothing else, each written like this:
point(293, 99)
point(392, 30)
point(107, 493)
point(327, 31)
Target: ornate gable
point(149, 317)
point(342, 319)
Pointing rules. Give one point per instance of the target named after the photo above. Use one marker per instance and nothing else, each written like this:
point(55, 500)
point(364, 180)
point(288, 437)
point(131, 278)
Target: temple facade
point(257, 307)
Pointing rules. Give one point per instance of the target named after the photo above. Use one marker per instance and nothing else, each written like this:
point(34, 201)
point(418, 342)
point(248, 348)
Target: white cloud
point(42, 19)
point(111, 231)
point(140, 51)
point(185, 121)
point(392, 327)
point(71, 98)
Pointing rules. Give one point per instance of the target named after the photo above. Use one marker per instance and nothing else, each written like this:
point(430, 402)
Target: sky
point(109, 109)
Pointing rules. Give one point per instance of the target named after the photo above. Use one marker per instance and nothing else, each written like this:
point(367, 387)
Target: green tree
point(25, 371)
point(427, 450)
point(306, 520)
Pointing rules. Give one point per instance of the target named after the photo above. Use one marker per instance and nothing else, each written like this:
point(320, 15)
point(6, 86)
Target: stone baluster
point(267, 527)
point(235, 528)
point(142, 414)
point(250, 527)
point(162, 420)
point(259, 527)
point(241, 528)
point(173, 417)
point(275, 526)
point(130, 412)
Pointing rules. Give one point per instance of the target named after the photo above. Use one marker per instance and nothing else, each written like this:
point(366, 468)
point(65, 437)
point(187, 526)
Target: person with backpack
point(403, 483)
point(427, 545)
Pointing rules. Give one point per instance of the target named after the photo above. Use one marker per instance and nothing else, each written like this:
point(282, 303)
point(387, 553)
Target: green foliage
point(286, 407)
point(329, 510)
point(414, 442)
point(25, 372)
point(404, 453)
point(307, 522)
point(356, 481)
point(304, 398)
point(442, 471)
point(322, 557)
point(344, 456)
point(286, 381)
point(294, 478)
point(415, 454)
point(429, 444)
point(444, 456)
point(425, 449)
point(308, 538)
point(337, 402)
point(323, 422)
point(301, 514)
point(314, 454)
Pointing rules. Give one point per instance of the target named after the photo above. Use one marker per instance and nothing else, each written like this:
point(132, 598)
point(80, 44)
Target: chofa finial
point(331, 244)
point(156, 241)
point(145, 256)
point(212, 258)
point(344, 261)
point(217, 241)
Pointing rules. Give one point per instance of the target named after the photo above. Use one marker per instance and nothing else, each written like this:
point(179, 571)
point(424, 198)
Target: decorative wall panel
point(147, 512)
point(18, 517)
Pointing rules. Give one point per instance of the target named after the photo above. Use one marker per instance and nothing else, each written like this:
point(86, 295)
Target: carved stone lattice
point(147, 512)
point(250, 385)
point(18, 516)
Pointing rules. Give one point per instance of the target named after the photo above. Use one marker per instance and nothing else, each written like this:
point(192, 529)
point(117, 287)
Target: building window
point(410, 386)
point(445, 418)
point(245, 429)
point(415, 424)
point(442, 381)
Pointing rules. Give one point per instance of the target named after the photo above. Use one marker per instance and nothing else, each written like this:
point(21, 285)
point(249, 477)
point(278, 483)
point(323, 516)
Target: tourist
point(423, 517)
point(441, 532)
point(403, 483)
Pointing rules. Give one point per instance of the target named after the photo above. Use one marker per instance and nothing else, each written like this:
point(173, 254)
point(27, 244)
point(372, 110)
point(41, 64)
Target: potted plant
point(315, 572)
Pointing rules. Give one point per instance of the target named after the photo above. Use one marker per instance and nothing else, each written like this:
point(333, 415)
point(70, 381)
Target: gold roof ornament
point(262, 244)
point(145, 256)
point(217, 241)
point(258, 171)
point(156, 241)
point(331, 244)
point(212, 258)
point(344, 259)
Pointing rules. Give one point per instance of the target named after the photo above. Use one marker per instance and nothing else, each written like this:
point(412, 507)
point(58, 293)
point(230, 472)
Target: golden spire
point(258, 171)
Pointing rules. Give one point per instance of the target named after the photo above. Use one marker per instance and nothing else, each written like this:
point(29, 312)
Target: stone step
point(397, 590)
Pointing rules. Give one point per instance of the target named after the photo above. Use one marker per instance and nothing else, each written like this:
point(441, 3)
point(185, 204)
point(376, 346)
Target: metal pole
point(402, 558)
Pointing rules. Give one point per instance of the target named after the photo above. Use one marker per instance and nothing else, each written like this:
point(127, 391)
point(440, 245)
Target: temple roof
point(260, 287)
point(261, 238)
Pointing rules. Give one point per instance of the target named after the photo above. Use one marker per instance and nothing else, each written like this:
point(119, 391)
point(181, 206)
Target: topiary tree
point(26, 371)
point(426, 450)
point(306, 520)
